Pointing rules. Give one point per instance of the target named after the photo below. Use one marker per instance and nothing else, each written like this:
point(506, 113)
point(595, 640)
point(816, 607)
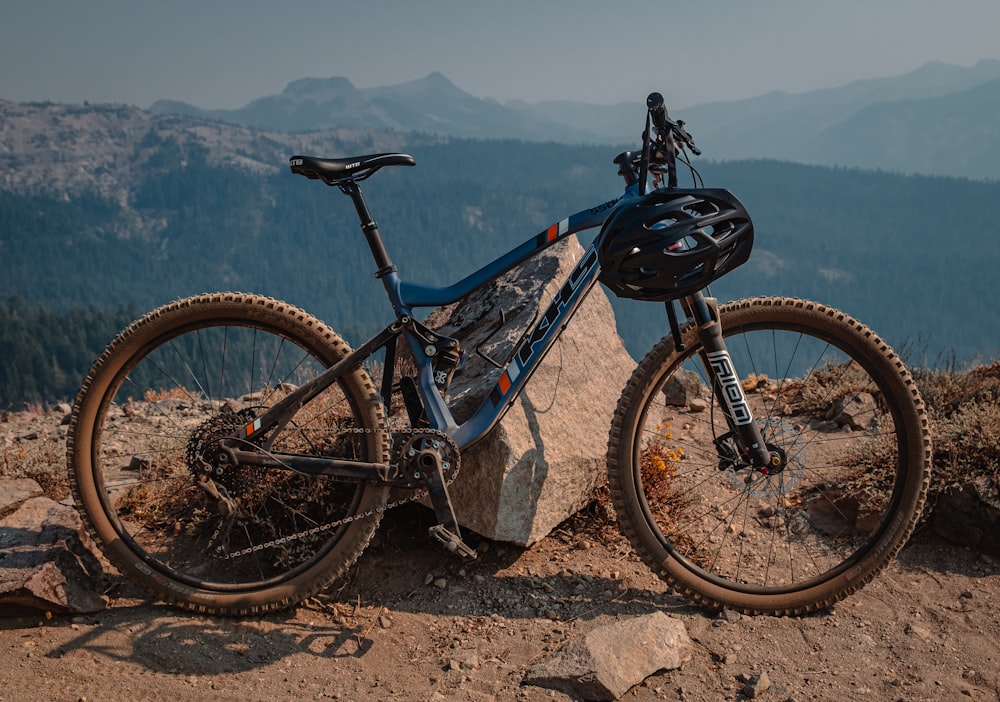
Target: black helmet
point(673, 242)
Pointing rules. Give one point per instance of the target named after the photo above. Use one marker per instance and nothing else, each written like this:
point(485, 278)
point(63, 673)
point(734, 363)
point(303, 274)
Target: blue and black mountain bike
point(231, 454)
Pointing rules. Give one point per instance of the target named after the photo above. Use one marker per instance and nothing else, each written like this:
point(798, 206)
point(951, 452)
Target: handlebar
point(659, 152)
point(658, 114)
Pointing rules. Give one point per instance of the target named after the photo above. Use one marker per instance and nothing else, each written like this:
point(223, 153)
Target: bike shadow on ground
point(563, 579)
point(345, 622)
point(162, 639)
point(577, 575)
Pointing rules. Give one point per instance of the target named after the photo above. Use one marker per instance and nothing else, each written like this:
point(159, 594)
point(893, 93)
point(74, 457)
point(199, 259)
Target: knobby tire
point(143, 431)
point(827, 393)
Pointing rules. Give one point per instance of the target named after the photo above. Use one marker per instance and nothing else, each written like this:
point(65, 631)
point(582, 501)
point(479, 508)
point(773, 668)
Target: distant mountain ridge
point(939, 119)
point(433, 104)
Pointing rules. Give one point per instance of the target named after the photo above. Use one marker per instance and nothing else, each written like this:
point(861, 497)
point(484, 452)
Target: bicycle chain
point(417, 494)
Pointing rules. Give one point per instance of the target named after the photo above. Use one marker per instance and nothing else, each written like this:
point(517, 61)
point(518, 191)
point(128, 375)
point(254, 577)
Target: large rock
point(544, 461)
point(969, 515)
point(608, 661)
point(47, 561)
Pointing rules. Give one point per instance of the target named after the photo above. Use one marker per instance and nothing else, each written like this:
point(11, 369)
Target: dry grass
point(35, 453)
point(964, 408)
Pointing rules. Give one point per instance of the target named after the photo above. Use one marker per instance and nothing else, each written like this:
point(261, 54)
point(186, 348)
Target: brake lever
point(685, 137)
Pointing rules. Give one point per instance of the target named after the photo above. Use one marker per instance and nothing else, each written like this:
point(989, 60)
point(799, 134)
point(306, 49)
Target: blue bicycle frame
point(405, 297)
point(424, 343)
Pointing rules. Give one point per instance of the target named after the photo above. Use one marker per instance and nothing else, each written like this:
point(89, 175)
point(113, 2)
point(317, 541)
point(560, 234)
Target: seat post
point(370, 229)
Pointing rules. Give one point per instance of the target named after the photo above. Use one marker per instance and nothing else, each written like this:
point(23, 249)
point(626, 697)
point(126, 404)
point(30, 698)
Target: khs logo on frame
point(525, 352)
point(554, 311)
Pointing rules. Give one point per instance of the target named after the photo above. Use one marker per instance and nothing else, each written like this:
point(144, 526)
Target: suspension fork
point(726, 385)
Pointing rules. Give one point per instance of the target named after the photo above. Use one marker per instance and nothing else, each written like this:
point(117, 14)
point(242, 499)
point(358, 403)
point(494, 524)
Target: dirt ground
point(412, 622)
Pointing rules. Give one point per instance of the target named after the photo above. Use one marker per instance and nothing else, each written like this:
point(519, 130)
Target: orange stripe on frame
point(552, 232)
point(504, 383)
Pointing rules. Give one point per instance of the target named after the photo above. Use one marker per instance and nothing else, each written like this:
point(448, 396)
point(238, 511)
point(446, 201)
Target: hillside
point(109, 206)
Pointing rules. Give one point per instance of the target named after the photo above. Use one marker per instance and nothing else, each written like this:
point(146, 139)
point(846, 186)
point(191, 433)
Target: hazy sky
point(224, 53)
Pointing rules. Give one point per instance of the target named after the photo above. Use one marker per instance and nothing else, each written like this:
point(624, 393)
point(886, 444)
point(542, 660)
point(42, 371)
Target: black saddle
point(335, 170)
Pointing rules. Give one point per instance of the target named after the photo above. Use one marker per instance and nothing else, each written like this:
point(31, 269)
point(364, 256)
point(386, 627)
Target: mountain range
point(939, 119)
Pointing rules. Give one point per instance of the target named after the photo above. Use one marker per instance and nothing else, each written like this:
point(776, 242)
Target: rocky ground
point(412, 622)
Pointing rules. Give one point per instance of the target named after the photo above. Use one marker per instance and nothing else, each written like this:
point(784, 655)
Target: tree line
point(47, 353)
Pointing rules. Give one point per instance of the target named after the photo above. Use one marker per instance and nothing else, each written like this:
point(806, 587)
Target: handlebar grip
point(657, 111)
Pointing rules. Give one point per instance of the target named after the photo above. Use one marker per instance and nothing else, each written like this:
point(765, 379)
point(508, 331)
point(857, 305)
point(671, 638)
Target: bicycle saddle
point(353, 167)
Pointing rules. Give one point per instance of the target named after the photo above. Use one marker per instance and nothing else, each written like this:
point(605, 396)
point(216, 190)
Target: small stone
point(470, 663)
point(757, 684)
point(921, 632)
point(440, 583)
point(697, 405)
point(428, 579)
point(384, 622)
point(730, 616)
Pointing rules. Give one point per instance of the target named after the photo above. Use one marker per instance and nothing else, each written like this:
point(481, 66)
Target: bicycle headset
point(673, 242)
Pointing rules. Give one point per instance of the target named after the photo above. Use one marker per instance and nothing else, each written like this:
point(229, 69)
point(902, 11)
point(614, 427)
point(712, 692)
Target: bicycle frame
point(405, 297)
point(524, 361)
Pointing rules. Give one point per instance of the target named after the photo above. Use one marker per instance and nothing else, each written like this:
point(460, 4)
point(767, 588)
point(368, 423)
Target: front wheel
point(147, 472)
point(838, 407)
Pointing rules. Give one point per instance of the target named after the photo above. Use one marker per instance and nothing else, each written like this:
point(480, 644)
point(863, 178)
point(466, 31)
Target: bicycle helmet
point(673, 242)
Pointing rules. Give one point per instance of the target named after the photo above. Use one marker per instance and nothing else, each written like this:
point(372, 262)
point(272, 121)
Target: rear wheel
point(144, 461)
point(832, 400)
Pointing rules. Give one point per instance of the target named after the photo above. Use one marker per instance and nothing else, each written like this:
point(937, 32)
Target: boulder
point(608, 661)
point(543, 462)
point(47, 561)
point(682, 388)
point(969, 515)
point(14, 491)
point(856, 410)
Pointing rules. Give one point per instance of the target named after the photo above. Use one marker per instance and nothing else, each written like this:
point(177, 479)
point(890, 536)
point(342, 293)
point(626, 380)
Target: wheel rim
point(143, 444)
point(805, 525)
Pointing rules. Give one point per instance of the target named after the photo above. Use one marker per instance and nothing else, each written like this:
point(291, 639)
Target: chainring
point(413, 451)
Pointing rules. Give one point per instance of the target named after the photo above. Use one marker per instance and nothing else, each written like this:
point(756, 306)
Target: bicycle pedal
point(452, 542)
